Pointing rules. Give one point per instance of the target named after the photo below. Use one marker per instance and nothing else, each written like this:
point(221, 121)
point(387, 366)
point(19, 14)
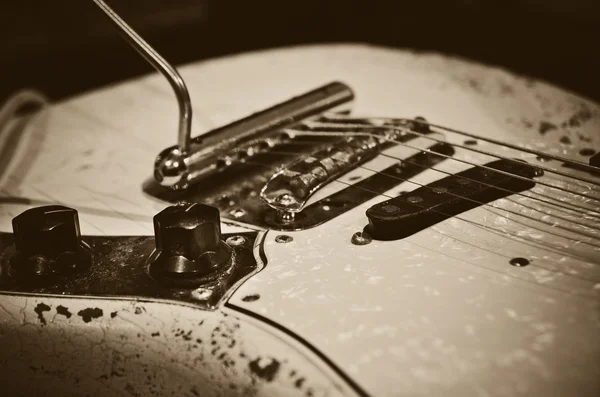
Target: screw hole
point(235, 240)
point(283, 238)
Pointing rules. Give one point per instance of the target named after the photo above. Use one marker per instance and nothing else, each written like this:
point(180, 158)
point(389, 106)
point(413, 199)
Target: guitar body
point(439, 313)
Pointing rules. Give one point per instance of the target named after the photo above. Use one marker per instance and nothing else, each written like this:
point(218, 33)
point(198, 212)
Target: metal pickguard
point(119, 269)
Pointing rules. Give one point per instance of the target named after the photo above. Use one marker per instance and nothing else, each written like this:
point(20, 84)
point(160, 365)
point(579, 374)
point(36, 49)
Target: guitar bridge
point(279, 154)
point(275, 169)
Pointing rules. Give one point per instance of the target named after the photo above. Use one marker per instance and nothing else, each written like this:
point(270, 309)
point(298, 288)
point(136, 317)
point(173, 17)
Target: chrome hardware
point(219, 149)
point(283, 239)
point(191, 160)
point(286, 152)
point(168, 71)
point(235, 240)
point(289, 189)
point(361, 238)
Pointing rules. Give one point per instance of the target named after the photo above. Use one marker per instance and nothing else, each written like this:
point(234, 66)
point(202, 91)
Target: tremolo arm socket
point(186, 163)
point(218, 149)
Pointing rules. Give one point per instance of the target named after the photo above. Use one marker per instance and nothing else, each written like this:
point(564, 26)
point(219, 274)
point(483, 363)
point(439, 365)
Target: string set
point(334, 117)
point(580, 210)
point(477, 225)
point(403, 129)
point(351, 130)
point(479, 203)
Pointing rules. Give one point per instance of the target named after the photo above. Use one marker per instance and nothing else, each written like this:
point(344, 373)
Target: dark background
point(64, 47)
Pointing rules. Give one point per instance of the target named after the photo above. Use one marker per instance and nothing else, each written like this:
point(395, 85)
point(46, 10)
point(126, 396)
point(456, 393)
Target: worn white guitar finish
point(440, 313)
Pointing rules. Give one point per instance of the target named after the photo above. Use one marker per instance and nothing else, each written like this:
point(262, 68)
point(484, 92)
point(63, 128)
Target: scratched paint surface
point(440, 313)
point(75, 347)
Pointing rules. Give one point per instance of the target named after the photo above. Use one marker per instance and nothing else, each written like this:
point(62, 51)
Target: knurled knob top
point(48, 243)
point(188, 243)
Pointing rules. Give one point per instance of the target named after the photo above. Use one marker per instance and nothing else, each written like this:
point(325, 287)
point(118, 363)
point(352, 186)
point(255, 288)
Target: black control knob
point(189, 249)
point(48, 244)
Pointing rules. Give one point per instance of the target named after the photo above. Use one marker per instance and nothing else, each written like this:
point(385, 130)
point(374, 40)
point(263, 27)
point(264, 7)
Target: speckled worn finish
point(76, 347)
point(441, 313)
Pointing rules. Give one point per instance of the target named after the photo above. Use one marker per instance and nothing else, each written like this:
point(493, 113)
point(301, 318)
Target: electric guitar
point(457, 253)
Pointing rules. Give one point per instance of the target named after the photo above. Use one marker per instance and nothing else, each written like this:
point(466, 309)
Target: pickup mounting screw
point(235, 241)
point(284, 238)
point(361, 238)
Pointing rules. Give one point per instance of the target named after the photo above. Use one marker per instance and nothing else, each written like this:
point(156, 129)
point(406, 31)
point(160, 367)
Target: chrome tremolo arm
point(192, 159)
point(263, 169)
point(220, 148)
point(176, 158)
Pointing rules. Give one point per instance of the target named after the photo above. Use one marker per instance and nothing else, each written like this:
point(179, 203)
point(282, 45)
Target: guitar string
point(548, 223)
point(475, 224)
point(530, 207)
point(583, 211)
point(538, 153)
point(480, 204)
point(554, 265)
point(343, 118)
point(529, 242)
point(351, 130)
point(470, 135)
point(555, 249)
point(558, 200)
point(591, 213)
point(484, 227)
point(377, 193)
point(463, 220)
point(320, 133)
point(354, 127)
point(534, 283)
point(442, 141)
point(558, 250)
